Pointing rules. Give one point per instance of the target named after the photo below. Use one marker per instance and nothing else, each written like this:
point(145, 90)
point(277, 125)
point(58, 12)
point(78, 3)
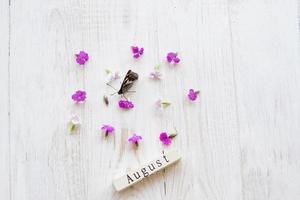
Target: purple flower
point(165, 138)
point(156, 75)
point(79, 96)
point(82, 57)
point(193, 94)
point(172, 57)
point(125, 104)
point(135, 139)
point(137, 52)
point(108, 129)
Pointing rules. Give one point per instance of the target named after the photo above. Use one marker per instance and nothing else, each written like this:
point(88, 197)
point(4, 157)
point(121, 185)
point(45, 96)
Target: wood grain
point(266, 59)
point(4, 101)
point(239, 140)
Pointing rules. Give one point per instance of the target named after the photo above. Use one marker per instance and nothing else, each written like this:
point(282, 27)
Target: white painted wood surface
point(239, 141)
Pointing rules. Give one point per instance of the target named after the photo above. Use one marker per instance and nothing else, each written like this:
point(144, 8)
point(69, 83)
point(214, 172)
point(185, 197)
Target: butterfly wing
point(128, 81)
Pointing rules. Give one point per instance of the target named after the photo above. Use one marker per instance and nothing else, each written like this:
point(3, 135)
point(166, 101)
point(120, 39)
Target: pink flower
point(172, 57)
point(79, 96)
point(112, 76)
point(82, 57)
point(108, 129)
point(135, 139)
point(125, 104)
point(137, 52)
point(193, 94)
point(156, 75)
point(166, 139)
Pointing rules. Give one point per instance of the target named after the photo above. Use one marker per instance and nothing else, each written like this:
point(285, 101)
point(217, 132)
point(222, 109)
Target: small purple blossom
point(135, 139)
point(137, 52)
point(172, 57)
point(82, 57)
point(156, 75)
point(165, 138)
point(193, 94)
point(108, 129)
point(125, 104)
point(79, 96)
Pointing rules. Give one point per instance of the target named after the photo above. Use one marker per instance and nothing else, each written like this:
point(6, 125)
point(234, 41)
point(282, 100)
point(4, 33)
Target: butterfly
point(127, 83)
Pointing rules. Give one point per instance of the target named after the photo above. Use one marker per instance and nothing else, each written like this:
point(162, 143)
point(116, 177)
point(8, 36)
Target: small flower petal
point(136, 55)
point(134, 49)
point(141, 51)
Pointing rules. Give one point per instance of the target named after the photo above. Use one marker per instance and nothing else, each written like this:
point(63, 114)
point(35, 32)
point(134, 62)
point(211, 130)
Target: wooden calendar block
point(134, 176)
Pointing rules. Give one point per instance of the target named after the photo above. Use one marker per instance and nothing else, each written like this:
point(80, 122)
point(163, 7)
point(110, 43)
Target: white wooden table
point(240, 140)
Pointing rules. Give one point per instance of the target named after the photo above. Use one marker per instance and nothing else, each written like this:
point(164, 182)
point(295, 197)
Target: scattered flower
point(156, 75)
point(125, 104)
point(105, 99)
point(108, 129)
point(107, 71)
point(79, 96)
point(74, 124)
point(157, 67)
point(172, 57)
point(166, 139)
point(137, 52)
point(82, 57)
point(135, 139)
point(162, 103)
point(111, 76)
point(192, 95)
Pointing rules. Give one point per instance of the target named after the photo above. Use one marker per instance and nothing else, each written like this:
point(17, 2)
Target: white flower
point(111, 76)
point(162, 103)
point(74, 123)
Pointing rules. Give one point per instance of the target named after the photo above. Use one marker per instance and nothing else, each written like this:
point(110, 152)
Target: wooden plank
point(265, 40)
point(48, 163)
point(239, 135)
point(4, 102)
